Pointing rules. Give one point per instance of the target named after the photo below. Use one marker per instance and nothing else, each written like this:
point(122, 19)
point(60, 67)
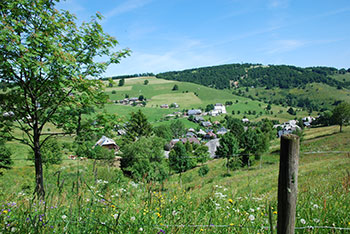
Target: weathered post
point(288, 184)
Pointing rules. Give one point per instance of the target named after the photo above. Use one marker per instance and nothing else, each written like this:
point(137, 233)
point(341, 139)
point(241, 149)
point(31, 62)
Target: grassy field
point(87, 198)
point(188, 96)
point(321, 94)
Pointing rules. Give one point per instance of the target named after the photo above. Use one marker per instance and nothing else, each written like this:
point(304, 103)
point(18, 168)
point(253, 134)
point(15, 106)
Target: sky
point(172, 35)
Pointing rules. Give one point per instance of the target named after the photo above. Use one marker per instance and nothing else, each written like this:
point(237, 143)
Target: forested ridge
point(257, 75)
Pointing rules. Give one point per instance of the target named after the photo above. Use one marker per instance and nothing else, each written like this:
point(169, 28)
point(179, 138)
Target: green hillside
point(188, 96)
point(89, 197)
point(305, 86)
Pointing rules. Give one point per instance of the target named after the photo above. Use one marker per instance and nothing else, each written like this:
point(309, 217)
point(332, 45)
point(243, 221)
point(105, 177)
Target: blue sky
point(168, 35)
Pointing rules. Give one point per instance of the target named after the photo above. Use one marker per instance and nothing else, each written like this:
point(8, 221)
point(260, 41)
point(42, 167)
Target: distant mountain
point(271, 80)
point(257, 75)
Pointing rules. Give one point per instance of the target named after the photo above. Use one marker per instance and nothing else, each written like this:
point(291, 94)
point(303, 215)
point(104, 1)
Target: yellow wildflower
point(231, 224)
point(202, 230)
point(275, 212)
point(230, 200)
point(5, 211)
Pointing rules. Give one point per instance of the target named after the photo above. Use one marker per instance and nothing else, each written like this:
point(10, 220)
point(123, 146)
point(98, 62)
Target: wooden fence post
point(288, 184)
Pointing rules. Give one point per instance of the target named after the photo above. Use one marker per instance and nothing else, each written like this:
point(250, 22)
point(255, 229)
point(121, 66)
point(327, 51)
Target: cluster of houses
point(218, 110)
point(292, 125)
point(131, 101)
point(172, 105)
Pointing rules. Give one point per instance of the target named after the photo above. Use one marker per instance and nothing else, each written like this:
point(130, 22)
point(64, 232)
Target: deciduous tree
point(47, 57)
point(341, 114)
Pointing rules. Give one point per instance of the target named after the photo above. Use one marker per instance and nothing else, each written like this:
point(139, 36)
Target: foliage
point(5, 157)
point(177, 128)
point(88, 149)
point(256, 75)
point(179, 159)
point(229, 147)
point(144, 160)
point(175, 87)
point(291, 111)
point(235, 126)
point(51, 152)
point(47, 57)
point(121, 82)
point(209, 107)
point(163, 131)
point(138, 126)
point(201, 153)
point(341, 115)
point(203, 170)
point(146, 82)
point(254, 142)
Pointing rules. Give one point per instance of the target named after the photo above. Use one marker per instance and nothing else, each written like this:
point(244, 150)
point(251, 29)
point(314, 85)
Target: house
point(201, 132)
point(107, 143)
point(194, 112)
point(164, 106)
point(222, 131)
point(133, 99)
point(245, 120)
point(206, 124)
point(191, 130)
point(198, 119)
point(121, 132)
point(174, 105)
point(210, 135)
point(191, 134)
point(192, 140)
point(220, 108)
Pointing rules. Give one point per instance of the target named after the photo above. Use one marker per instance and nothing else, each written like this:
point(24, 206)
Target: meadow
point(93, 197)
point(188, 96)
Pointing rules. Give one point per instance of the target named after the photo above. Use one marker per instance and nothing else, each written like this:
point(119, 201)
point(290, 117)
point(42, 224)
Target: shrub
point(203, 170)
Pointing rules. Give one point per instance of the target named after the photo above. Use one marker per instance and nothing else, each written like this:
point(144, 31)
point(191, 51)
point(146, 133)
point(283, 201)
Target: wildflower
point(115, 216)
point(64, 216)
point(132, 218)
point(230, 200)
point(316, 220)
point(5, 211)
point(302, 221)
point(161, 231)
point(315, 206)
point(202, 230)
point(113, 206)
point(251, 210)
point(231, 224)
point(13, 229)
point(159, 215)
point(275, 212)
point(251, 217)
point(174, 213)
point(141, 229)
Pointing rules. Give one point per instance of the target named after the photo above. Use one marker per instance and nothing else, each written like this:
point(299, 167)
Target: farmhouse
point(107, 143)
point(166, 106)
point(194, 112)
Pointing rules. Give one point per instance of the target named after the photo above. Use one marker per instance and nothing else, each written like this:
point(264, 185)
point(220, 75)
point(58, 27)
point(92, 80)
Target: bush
point(203, 170)
point(114, 92)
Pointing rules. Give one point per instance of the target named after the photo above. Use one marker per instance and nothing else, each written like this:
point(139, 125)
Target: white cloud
point(127, 6)
point(184, 56)
point(281, 46)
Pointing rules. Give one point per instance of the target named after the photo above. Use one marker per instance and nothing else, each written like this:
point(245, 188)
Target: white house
point(218, 109)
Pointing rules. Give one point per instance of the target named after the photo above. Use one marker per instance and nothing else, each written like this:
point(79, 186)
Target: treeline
point(129, 76)
point(247, 75)
point(216, 77)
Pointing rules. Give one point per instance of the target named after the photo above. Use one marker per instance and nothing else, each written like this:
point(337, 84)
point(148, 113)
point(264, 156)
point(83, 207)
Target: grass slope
point(80, 200)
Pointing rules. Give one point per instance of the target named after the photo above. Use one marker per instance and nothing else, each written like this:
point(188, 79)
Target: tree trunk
point(341, 127)
point(39, 179)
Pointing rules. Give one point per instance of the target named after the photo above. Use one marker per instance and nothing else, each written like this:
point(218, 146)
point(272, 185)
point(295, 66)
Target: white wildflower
point(141, 229)
point(132, 218)
point(13, 229)
point(302, 221)
point(251, 210)
point(174, 212)
point(316, 220)
point(115, 216)
point(64, 216)
point(315, 206)
point(251, 217)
